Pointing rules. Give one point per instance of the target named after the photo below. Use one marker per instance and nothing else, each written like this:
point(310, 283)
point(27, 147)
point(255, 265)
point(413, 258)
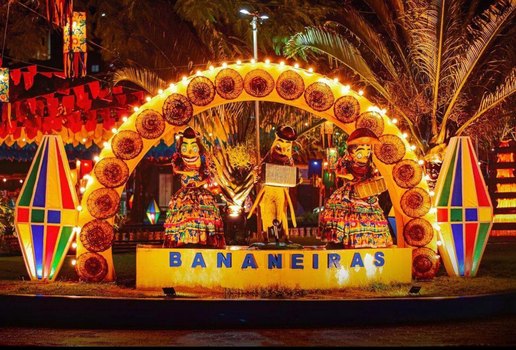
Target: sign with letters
point(247, 269)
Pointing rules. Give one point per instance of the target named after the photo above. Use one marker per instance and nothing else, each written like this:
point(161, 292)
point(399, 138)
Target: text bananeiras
point(277, 261)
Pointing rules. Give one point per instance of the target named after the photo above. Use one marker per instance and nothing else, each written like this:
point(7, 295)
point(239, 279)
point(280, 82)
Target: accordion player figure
point(352, 216)
point(278, 174)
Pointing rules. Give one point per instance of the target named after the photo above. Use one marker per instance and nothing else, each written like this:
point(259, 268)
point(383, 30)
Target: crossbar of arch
point(170, 110)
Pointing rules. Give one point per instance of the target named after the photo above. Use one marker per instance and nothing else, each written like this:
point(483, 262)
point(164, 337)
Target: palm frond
point(485, 29)
point(143, 77)
point(491, 100)
point(317, 40)
point(369, 36)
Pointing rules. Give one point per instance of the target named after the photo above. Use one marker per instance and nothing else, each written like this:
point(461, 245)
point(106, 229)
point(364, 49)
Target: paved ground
point(498, 331)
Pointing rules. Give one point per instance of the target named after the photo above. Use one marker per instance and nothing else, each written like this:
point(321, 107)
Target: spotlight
point(169, 292)
point(414, 290)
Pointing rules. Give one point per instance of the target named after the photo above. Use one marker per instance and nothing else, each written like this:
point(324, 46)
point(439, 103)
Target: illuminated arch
point(173, 108)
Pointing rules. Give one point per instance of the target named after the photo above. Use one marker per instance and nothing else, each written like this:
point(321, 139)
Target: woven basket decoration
point(229, 83)
point(346, 109)
point(407, 173)
point(425, 263)
point(103, 203)
point(97, 236)
point(319, 96)
point(290, 85)
point(372, 121)
point(111, 172)
point(150, 124)
point(127, 144)
point(415, 202)
point(91, 267)
point(258, 83)
point(177, 110)
point(418, 232)
point(201, 91)
point(391, 150)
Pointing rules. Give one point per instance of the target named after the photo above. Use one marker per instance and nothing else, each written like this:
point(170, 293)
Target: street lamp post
point(254, 25)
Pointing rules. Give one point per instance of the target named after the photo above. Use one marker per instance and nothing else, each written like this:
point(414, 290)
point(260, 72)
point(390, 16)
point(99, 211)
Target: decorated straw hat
point(286, 133)
point(362, 136)
point(189, 133)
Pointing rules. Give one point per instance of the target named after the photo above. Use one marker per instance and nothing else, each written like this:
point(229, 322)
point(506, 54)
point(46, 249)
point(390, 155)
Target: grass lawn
point(496, 274)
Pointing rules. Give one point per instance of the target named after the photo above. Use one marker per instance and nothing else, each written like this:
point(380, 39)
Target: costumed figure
point(274, 195)
point(193, 216)
point(352, 216)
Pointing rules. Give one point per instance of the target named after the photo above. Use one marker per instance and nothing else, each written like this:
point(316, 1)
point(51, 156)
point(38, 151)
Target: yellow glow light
point(160, 91)
point(124, 119)
point(198, 72)
point(74, 262)
point(212, 68)
point(114, 130)
point(253, 61)
point(135, 108)
point(148, 98)
point(96, 158)
point(421, 162)
point(345, 89)
point(239, 62)
point(282, 63)
point(82, 189)
point(84, 139)
point(394, 120)
point(224, 64)
point(267, 61)
point(184, 79)
point(360, 92)
point(79, 208)
point(404, 135)
point(311, 70)
point(296, 65)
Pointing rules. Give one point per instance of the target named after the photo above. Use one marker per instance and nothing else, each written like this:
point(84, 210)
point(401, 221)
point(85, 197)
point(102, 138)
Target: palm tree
point(440, 66)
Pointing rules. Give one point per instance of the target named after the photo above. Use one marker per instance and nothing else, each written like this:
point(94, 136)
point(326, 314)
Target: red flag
point(16, 76)
point(94, 89)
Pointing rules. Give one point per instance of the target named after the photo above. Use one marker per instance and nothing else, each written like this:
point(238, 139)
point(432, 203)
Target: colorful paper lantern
point(46, 211)
point(332, 157)
point(153, 212)
point(464, 209)
point(4, 85)
point(74, 46)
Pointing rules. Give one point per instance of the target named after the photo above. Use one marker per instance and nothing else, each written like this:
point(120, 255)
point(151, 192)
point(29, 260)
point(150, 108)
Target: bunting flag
point(464, 209)
point(58, 11)
point(74, 46)
point(153, 212)
point(46, 211)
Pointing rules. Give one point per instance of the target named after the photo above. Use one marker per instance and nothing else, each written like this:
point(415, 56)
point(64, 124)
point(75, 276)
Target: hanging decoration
point(464, 209)
point(153, 212)
point(5, 106)
point(59, 11)
point(4, 85)
point(46, 211)
point(74, 46)
point(130, 201)
point(331, 157)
